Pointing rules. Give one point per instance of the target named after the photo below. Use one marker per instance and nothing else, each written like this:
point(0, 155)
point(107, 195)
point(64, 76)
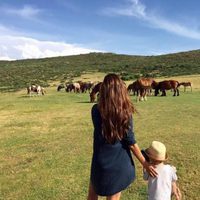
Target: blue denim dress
point(112, 168)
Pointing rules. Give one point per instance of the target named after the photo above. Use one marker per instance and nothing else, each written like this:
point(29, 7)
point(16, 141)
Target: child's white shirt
point(160, 187)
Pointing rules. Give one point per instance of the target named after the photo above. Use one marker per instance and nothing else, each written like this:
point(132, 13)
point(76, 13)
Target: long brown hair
point(115, 108)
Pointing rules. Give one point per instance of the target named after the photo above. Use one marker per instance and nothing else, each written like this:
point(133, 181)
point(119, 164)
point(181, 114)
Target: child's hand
point(177, 194)
point(176, 191)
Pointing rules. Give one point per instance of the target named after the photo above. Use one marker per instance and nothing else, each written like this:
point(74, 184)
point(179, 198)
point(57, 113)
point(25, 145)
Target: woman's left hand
point(150, 169)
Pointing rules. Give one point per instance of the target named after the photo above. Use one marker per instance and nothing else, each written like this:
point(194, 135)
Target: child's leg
point(91, 193)
point(114, 197)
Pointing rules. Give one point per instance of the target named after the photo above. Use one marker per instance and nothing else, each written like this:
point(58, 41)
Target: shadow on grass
point(27, 96)
point(83, 102)
point(24, 96)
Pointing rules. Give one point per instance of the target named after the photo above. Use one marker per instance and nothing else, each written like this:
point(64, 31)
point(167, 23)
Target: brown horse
point(133, 87)
point(167, 85)
point(186, 84)
point(95, 90)
point(86, 86)
point(69, 87)
point(143, 86)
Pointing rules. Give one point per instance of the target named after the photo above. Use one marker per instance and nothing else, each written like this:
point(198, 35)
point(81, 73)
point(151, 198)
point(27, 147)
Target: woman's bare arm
point(137, 152)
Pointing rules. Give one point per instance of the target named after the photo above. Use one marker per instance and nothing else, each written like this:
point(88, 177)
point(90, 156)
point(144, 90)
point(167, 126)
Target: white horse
point(77, 87)
point(35, 89)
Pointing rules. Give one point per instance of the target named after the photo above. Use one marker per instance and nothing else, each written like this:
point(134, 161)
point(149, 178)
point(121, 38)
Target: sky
point(48, 28)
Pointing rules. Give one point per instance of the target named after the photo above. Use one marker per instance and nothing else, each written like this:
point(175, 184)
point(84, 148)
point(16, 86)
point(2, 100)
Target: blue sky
point(46, 28)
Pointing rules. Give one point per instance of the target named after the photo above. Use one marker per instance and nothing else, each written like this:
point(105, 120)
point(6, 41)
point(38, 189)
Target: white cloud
point(27, 11)
point(138, 10)
point(15, 47)
point(5, 58)
point(134, 9)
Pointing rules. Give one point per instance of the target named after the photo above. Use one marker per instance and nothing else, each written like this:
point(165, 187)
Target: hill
point(18, 74)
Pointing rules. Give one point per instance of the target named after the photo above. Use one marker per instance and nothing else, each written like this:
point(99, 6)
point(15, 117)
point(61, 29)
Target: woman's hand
point(150, 169)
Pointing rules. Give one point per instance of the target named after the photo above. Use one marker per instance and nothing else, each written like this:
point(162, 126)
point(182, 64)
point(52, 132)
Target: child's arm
point(176, 191)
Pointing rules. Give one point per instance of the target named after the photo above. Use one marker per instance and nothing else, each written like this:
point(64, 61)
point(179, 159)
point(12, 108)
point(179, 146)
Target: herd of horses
point(142, 88)
point(77, 87)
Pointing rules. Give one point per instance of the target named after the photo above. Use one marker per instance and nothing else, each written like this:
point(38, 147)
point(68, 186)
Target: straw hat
point(157, 151)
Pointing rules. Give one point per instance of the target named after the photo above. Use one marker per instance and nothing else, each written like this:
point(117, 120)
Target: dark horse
point(86, 86)
point(143, 86)
point(133, 87)
point(95, 90)
point(61, 86)
point(167, 85)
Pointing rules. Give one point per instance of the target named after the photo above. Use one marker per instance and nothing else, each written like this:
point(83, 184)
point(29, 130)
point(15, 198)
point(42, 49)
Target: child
point(164, 185)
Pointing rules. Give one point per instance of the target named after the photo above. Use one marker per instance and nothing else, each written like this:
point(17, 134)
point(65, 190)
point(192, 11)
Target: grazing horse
point(167, 85)
point(77, 87)
point(73, 86)
point(36, 89)
point(143, 86)
point(69, 87)
point(129, 88)
point(133, 87)
point(186, 84)
point(86, 86)
point(95, 90)
point(61, 86)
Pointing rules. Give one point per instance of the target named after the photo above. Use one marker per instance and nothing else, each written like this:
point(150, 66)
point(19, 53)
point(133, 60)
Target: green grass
point(46, 143)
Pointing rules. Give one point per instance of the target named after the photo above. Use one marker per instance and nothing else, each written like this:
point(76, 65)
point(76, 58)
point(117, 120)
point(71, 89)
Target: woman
point(112, 168)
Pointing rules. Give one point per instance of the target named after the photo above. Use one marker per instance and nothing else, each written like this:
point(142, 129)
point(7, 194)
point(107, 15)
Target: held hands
point(150, 169)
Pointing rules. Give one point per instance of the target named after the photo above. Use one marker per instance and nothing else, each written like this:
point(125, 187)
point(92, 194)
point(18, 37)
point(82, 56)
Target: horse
point(36, 89)
point(95, 90)
point(133, 87)
point(73, 86)
point(77, 87)
point(86, 86)
point(167, 85)
point(129, 88)
point(186, 84)
point(61, 86)
point(143, 86)
point(69, 87)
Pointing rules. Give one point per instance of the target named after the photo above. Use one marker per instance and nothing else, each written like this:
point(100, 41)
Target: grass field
point(46, 143)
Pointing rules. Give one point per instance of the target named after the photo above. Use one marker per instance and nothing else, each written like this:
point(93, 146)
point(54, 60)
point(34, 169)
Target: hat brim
point(154, 158)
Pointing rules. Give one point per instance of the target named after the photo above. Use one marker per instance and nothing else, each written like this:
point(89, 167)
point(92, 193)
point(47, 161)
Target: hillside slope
point(18, 74)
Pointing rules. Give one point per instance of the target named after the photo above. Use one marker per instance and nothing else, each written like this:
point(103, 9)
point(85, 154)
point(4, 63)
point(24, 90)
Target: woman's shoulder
point(95, 109)
point(95, 106)
point(95, 113)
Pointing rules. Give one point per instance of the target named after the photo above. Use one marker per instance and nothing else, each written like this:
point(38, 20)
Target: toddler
point(164, 185)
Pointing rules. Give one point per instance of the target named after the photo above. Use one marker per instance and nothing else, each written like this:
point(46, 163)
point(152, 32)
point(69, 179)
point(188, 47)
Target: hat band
point(156, 155)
